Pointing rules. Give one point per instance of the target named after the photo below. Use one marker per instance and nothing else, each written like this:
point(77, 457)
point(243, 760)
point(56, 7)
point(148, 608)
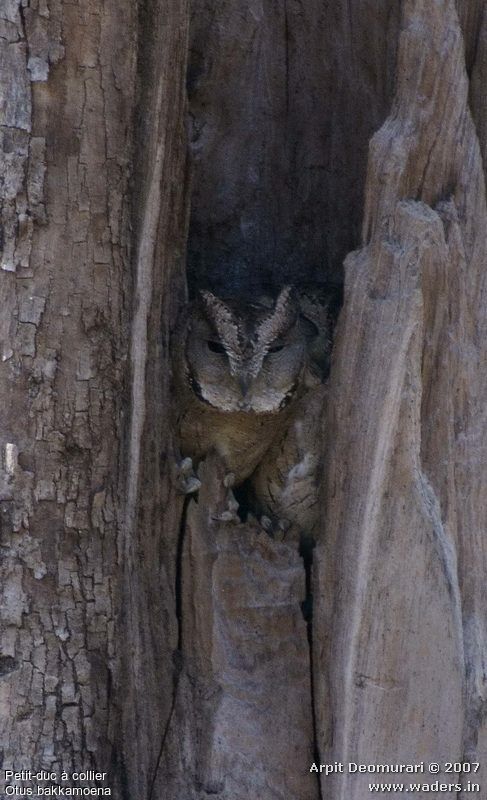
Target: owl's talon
point(229, 480)
point(186, 466)
point(266, 523)
point(230, 513)
point(227, 516)
point(192, 485)
point(188, 483)
point(232, 501)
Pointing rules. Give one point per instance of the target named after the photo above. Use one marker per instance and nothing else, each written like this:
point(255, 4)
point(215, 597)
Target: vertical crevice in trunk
point(177, 653)
point(178, 588)
point(306, 549)
point(278, 168)
point(271, 161)
point(154, 508)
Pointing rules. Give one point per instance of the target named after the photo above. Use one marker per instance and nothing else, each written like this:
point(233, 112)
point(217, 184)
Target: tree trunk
point(400, 624)
point(67, 78)
point(142, 636)
point(150, 607)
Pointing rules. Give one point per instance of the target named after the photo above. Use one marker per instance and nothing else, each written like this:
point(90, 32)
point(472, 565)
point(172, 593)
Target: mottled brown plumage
point(241, 371)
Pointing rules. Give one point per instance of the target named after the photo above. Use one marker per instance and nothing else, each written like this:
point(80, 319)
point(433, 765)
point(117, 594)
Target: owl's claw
point(266, 523)
point(227, 516)
point(192, 485)
point(232, 501)
point(188, 483)
point(186, 466)
point(230, 514)
point(229, 480)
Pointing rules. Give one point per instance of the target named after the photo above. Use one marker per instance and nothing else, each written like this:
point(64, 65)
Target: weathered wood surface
point(400, 622)
point(149, 627)
point(242, 725)
point(90, 521)
point(66, 89)
point(283, 100)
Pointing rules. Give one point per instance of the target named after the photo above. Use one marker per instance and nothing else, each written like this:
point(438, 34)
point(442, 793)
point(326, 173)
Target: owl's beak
point(244, 384)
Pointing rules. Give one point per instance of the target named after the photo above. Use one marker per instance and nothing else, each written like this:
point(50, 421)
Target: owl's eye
point(215, 347)
point(276, 349)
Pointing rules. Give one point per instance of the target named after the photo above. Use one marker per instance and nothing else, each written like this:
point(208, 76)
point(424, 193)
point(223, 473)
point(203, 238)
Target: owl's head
point(247, 358)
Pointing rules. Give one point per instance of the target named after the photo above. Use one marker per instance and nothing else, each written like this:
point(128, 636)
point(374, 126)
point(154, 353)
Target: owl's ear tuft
point(223, 321)
point(281, 319)
point(286, 303)
point(212, 304)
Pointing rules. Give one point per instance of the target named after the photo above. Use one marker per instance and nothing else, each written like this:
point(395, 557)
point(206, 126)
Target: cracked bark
point(401, 614)
point(153, 513)
point(66, 84)
point(130, 643)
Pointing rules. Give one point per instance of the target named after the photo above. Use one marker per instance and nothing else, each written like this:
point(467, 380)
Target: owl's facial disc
point(245, 358)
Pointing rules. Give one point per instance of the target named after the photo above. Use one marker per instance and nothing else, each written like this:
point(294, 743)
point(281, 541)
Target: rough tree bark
point(400, 623)
point(90, 524)
point(150, 627)
point(139, 635)
point(67, 88)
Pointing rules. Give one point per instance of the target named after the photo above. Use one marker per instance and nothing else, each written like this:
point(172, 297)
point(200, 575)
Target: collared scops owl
point(242, 371)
